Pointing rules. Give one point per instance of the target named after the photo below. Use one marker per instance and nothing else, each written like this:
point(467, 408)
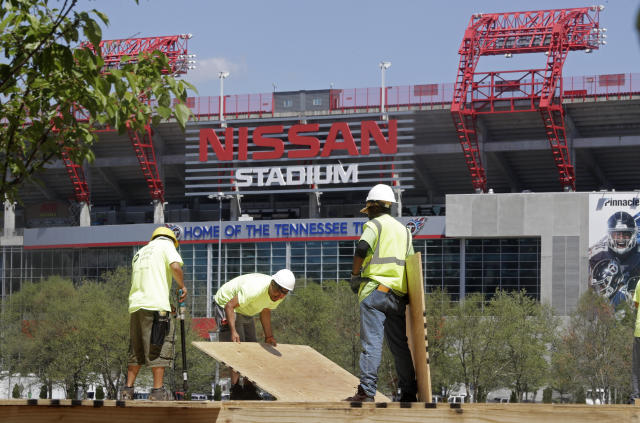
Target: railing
point(422, 96)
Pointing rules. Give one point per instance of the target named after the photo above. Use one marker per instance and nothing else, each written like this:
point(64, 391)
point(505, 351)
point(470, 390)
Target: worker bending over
point(235, 304)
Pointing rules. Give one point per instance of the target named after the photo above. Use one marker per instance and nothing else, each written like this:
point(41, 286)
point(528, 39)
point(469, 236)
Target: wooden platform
point(68, 411)
point(288, 372)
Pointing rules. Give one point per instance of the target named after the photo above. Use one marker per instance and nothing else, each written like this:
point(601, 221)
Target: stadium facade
point(278, 182)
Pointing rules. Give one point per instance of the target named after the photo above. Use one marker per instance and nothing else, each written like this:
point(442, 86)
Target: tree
point(54, 95)
point(43, 392)
point(526, 328)
point(477, 347)
point(99, 393)
point(442, 364)
point(16, 392)
point(599, 343)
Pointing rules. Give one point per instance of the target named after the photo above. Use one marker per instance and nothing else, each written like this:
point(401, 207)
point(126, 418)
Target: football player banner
point(614, 255)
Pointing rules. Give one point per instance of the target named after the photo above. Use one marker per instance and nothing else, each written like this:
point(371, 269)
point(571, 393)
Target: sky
point(306, 45)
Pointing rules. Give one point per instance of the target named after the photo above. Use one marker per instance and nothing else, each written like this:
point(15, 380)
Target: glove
point(355, 282)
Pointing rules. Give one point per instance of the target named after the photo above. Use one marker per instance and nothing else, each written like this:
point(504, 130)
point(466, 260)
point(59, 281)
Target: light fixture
point(588, 50)
point(508, 55)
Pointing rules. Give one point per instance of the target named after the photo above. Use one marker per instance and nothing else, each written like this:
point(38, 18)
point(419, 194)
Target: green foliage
point(525, 329)
point(43, 392)
point(580, 396)
point(547, 394)
point(16, 392)
point(513, 398)
point(217, 393)
point(99, 393)
point(599, 345)
point(54, 95)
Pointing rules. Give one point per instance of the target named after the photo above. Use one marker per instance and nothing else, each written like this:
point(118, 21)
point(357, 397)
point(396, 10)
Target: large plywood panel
point(288, 372)
point(416, 328)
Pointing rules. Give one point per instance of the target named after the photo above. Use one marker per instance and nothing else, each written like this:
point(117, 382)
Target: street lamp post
point(383, 67)
point(222, 76)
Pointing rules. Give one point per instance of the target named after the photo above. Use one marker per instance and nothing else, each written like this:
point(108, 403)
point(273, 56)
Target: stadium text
point(340, 138)
point(296, 175)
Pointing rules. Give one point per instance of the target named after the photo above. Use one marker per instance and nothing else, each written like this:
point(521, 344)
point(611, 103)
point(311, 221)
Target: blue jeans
point(384, 314)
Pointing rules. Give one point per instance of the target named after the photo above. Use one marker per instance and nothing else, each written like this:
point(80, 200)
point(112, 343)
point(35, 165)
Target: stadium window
point(317, 102)
point(287, 103)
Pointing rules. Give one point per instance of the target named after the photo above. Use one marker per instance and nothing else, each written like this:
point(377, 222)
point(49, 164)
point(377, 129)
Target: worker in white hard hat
point(150, 329)
point(378, 277)
point(235, 305)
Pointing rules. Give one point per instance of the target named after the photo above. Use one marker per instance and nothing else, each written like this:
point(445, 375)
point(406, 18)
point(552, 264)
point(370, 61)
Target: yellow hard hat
point(164, 231)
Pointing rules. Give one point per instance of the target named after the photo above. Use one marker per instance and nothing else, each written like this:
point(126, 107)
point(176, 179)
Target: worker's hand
point(355, 282)
point(270, 340)
point(235, 337)
point(184, 294)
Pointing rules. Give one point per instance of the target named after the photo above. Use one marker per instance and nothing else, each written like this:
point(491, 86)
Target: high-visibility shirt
point(636, 298)
point(152, 276)
point(390, 244)
point(252, 291)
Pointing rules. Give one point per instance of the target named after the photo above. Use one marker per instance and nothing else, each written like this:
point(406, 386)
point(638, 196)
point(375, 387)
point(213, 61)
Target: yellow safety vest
point(386, 264)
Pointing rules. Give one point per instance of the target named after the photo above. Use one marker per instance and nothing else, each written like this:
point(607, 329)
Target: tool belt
point(159, 328)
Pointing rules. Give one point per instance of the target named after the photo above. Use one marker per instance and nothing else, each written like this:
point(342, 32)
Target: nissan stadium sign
point(298, 157)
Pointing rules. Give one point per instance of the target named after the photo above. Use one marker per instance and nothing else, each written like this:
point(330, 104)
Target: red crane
point(113, 51)
point(552, 32)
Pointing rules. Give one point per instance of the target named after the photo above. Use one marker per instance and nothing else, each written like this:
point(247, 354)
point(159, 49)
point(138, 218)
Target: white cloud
point(207, 69)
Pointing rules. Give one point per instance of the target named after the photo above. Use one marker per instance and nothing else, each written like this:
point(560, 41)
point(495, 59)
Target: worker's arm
point(265, 319)
point(178, 275)
point(229, 311)
point(361, 252)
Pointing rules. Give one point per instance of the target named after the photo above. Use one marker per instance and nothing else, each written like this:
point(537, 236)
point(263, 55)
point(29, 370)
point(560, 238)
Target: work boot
point(360, 396)
point(160, 394)
point(126, 394)
point(250, 392)
point(235, 392)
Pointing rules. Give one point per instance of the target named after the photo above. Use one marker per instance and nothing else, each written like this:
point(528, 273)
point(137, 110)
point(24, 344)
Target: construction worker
point(635, 352)
point(378, 277)
point(151, 329)
point(237, 301)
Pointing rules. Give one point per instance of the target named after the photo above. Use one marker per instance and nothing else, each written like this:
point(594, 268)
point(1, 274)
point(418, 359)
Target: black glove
point(355, 282)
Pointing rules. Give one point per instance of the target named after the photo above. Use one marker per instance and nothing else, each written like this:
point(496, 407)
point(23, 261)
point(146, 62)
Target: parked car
point(198, 397)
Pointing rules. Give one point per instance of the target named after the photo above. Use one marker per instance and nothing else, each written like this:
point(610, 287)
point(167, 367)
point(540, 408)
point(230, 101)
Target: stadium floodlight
point(383, 67)
point(222, 76)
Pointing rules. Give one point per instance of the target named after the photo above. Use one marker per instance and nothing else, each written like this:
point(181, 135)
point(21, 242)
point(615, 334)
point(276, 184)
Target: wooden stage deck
point(72, 411)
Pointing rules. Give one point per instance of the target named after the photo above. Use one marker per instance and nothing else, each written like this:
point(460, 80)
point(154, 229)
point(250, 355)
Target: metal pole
point(382, 99)
point(219, 235)
point(221, 97)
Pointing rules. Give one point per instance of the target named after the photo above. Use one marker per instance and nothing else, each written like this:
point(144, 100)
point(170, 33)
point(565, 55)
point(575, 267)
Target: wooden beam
point(140, 411)
point(417, 328)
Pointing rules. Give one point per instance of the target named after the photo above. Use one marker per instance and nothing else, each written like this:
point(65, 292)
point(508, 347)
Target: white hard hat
point(285, 279)
point(381, 192)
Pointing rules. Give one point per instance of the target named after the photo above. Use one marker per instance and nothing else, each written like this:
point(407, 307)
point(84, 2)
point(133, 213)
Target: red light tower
point(175, 48)
point(552, 32)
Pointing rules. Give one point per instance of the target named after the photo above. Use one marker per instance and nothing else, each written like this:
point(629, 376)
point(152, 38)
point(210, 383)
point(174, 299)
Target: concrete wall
point(561, 220)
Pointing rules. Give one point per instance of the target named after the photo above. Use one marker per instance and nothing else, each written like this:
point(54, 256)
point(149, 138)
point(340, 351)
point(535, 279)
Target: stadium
point(493, 174)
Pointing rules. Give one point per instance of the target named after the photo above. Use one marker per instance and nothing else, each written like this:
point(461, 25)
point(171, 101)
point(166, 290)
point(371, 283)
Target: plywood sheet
point(288, 372)
point(416, 328)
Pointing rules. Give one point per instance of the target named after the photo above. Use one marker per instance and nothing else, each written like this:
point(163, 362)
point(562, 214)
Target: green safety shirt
point(636, 298)
point(253, 294)
point(389, 246)
point(152, 276)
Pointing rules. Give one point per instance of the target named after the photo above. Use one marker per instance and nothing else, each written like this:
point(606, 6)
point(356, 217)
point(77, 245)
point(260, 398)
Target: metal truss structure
point(114, 53)
point(552, 32)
